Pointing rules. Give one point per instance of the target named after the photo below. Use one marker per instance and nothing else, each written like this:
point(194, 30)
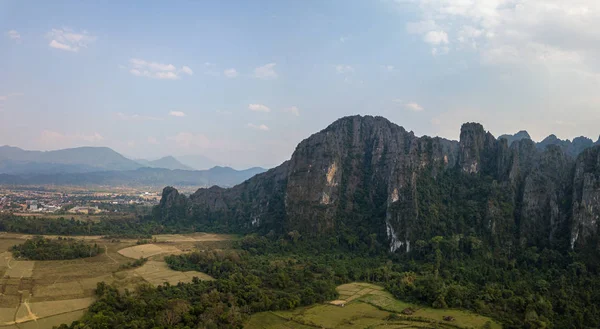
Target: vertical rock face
point(365, 175)
point(586, 199)
point(544, 204)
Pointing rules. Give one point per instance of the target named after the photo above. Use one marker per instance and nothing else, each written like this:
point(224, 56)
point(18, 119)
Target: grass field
point(43, 294)
point(367, 306)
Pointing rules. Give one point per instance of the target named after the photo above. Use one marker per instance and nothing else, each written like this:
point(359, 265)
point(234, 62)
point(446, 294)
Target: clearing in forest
point(364, 305)
point(157, 272)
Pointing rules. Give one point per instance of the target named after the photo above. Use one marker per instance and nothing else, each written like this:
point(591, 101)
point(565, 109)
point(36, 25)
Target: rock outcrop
point(365, 176)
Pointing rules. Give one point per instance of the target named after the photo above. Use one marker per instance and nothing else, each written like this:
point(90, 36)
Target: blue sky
point(243, 82)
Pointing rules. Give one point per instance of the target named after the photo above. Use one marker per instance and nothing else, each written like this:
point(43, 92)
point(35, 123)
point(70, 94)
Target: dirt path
point(107, 255)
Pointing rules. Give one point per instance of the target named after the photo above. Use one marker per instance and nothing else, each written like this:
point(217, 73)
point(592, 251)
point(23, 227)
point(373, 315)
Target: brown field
point(43, 294)
point(157, 272)
point(149, 250)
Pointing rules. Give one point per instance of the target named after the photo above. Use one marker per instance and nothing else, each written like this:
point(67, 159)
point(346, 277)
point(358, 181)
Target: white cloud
point(293, 110)
point(261, 127)
point(412, 106)
point(557, 35)
point(341, 69)
point(69, 40)
point(421, 27)
point(230, 73)
point(177, 114)
point(140, 63)
point(266, 71)
point(259, 108)
point(389, 68)
point(135, 117)
point(57, 45)
point(187, 70)
point(436, 37)
point(155, 70)
point(166, 75)
point(14, 35)
point(440, 51)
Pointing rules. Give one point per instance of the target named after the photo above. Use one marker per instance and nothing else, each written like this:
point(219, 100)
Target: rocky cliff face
point(365, 176)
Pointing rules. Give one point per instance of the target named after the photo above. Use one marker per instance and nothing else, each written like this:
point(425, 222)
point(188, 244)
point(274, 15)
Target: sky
point(243, 82)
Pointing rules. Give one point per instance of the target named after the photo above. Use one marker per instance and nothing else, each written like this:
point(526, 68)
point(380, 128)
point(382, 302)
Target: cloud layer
point(155, 70)
point(230, 73)
point(69, 40)
point(177, 114)
point(261, 127)
point(259, 108)
point(14, 35)
point(558, 34)
point(266, 71)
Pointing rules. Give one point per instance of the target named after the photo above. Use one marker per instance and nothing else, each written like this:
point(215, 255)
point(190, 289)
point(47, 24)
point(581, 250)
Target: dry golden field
point(42, 294)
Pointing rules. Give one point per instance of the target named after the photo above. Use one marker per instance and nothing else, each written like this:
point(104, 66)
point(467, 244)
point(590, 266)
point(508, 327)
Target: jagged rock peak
point(170, 195)
point(521, 135)
point(356, 120)
point(473, 140)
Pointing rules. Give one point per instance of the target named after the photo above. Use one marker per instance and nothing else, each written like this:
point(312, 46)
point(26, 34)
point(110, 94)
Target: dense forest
point(40, 248)
point(111, 228)
point(537, 289)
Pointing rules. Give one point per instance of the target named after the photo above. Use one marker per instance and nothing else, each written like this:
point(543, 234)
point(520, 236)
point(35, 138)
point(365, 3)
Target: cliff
point(365, 177)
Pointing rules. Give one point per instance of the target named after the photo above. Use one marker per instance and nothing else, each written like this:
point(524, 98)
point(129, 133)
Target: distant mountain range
point(81, 159)
point(167, 162)
point(151, 177)
point(572, 148)
point(104, 166)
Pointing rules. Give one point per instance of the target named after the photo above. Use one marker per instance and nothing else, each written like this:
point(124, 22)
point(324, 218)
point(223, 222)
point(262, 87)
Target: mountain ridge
point(155, 177)
point(366, 175)
point(166, 162)
point(87, 157)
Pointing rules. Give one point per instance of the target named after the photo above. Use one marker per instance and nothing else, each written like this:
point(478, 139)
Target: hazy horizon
point(243, 84)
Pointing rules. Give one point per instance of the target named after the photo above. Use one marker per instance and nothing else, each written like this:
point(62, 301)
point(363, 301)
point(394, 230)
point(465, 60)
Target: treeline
point(113, 228)
point(133, 264)
point(531, 288)
point(245, 283)
point(40, 248)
